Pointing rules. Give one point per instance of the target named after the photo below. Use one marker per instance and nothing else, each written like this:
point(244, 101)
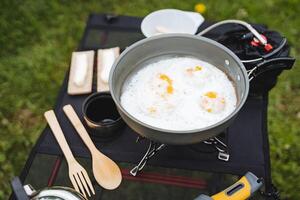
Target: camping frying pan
point(158, 47)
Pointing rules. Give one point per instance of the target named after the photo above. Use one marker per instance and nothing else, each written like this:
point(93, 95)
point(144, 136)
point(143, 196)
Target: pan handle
point(269, 65)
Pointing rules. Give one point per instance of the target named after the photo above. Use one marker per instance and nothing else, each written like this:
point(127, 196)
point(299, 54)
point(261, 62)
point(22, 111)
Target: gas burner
point(217, 143)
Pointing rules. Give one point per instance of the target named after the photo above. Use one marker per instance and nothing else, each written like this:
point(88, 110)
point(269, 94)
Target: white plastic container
point(171, 21)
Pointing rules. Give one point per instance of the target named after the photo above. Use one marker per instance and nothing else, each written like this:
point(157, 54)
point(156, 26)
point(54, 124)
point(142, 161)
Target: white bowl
point(171, 21)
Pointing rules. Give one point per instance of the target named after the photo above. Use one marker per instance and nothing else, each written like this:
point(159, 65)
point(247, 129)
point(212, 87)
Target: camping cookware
point(27, 192)
point(106, 171)
point(159, 47)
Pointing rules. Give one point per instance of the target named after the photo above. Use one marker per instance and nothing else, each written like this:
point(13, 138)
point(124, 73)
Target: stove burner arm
point(220, 146)
point(153, 148)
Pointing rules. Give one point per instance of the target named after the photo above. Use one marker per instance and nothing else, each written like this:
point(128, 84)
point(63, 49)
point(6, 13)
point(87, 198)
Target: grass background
point(36, 41)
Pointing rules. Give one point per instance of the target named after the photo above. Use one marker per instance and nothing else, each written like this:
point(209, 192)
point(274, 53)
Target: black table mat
point(247, 141)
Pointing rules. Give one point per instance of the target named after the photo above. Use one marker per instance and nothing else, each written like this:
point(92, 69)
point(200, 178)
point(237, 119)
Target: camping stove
point(217, 143)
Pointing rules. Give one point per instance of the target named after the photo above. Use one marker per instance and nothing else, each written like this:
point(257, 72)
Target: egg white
point(145, 96)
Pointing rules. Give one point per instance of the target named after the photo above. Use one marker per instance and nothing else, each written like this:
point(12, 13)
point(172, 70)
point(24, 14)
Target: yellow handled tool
point(241, 190)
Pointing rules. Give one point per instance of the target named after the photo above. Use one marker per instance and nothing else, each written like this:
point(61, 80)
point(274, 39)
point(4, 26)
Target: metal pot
point(56, 192)
point(27, 192)
point(156, 48)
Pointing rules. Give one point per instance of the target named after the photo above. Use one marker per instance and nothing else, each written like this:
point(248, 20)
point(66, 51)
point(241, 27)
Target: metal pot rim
point(180, 35)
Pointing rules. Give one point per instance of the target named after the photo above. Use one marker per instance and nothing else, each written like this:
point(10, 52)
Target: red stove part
point(268, 47)
point(255, 42)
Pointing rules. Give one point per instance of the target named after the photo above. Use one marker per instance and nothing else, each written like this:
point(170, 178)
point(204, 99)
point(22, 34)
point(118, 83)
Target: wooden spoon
point(106, 171)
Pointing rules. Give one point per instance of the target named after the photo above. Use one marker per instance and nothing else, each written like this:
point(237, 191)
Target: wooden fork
point(78, 176)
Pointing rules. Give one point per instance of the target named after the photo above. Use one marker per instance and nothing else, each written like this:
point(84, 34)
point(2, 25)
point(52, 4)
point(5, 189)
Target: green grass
point(36, 41)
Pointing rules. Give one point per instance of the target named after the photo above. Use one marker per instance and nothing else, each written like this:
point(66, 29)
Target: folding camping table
point(176, 172)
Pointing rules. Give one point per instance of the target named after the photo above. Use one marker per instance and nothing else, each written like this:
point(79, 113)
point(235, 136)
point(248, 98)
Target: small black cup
point(102, 117)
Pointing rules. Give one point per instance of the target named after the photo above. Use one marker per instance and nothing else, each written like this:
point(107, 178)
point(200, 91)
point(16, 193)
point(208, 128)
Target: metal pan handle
point(282, 63)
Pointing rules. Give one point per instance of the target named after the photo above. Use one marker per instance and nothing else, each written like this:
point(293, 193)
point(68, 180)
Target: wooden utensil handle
point(71, 114)
point(57, 132)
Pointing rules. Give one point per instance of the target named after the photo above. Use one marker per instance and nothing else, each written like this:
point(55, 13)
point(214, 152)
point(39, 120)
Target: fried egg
point(158, 95)
point(179, 93)
point(212, 102)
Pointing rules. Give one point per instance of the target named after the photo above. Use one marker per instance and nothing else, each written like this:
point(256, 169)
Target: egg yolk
point(195, 69)
point(152, 110)
point(211, 95)
point(212, 102)
point(166, 78)
point(198, 68)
